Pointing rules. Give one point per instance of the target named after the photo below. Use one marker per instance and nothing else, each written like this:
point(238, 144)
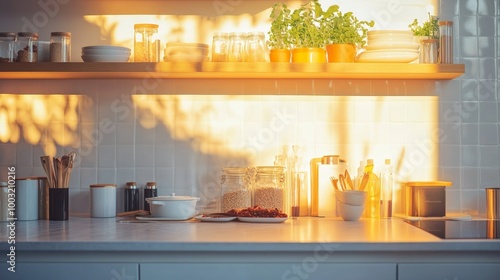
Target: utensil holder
point(493, 203)
point(58, 204)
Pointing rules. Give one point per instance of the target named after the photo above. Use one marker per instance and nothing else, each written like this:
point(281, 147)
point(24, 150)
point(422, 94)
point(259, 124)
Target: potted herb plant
point(306, 35)
point(343, 34)
point(428, 30)
point(279, 38)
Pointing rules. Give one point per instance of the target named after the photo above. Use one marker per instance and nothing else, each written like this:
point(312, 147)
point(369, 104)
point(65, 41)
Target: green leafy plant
point(305, 26)
point(430, 28)
point(344, 28)
point(279, 37)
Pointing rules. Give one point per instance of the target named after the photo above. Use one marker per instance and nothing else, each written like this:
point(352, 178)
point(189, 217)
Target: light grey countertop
point(81, 233)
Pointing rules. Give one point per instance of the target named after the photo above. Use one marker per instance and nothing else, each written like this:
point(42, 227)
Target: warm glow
point(46, 120)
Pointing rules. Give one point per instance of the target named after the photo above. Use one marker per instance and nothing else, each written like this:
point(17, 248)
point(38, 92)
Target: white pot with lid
point(173, 207)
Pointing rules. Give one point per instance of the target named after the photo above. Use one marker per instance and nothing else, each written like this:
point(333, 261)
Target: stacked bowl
point(350, 204)
point(105, 53)
point(389, 46)
point(186, 52)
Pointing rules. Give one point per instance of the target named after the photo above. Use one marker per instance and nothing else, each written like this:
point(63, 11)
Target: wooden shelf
point(230, 70)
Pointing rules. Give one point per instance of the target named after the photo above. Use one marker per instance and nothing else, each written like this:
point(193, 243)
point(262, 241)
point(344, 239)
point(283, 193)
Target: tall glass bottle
point(386, 185)
point(146, 43)
point(372, 208)
point(446, 42)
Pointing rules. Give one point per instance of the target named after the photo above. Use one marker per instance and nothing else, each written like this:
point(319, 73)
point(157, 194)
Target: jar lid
point(131, 185)
point(270, 169)
point(68, 34)
point(145, 25)
point(235, 170)
point(8, 34)
point(445, 23)
point(172, 197)
point(103, 185)
point(27, 34)
point(151, 185)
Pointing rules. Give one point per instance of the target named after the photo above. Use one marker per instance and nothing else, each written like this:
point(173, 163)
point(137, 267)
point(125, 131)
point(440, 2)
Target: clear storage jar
point(146, 43)
point(256, 50)
point(236, 189)
point(237, 45)
point(60, 47)
point(26, 47)
point(269, 190)
point(220, 42)
point(7, 46)
point(446, 42)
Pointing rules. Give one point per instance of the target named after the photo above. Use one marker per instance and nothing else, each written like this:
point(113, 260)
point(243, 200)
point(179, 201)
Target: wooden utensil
point(335, 183)
point(349, 180)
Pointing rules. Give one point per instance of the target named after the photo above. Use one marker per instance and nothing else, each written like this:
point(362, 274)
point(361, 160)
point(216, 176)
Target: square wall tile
point(486, 26)
point(106, 156)
point(489, 156)
point(469, 134)
point(488, 134)
point(468, 7)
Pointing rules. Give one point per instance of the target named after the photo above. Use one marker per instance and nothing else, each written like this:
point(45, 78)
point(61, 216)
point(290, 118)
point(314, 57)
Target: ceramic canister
point(26, 199)
point(103, 200)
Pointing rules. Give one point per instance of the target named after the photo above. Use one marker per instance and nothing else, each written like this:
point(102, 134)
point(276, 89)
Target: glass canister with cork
point(269, 191)
point(60, 47)
point(27, 47)
point(236, 188)
point(146, 42)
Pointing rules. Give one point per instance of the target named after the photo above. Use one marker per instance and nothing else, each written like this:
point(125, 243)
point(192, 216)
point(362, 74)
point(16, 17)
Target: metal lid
point(330, 159)
point(103, 186)
point(428, 184)
point(172, 197)
point(68, 34)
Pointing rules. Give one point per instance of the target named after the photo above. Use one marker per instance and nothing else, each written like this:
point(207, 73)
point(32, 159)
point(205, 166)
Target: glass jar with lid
point(60, 47)
point(146, 42)
point(269, 191)
point(236, 188)
point(237, 45)
point(26, 47)
point(220, 44)
point(7, 45)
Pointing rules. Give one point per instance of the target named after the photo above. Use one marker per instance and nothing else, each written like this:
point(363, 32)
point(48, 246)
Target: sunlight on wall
point(48, 120)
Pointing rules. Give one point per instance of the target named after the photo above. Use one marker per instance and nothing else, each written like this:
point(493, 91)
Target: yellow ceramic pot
point(341, 52)
point(310, 55)
point(280, 55)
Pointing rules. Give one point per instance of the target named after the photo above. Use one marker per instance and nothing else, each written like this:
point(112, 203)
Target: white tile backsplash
point(182, 141)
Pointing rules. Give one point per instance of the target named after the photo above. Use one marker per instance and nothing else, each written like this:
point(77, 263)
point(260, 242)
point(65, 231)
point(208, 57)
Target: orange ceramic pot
point(280, 55)
point(310, 55)
point(341, 52)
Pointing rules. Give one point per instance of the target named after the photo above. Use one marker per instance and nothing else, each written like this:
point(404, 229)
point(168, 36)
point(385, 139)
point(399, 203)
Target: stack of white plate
point(186, 52)
point(389, 46)
point(105, 54)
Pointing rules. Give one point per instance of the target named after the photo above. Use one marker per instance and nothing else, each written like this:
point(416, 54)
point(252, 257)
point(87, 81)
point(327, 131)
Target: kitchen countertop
point(81, 233)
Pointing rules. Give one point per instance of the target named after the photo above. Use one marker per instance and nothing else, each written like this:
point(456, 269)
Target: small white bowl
point(351, 197)
point(350, 212)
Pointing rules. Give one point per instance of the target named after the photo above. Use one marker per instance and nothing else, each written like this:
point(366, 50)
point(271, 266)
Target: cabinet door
point(449, 271)
point(72, 271)
point(286, 271)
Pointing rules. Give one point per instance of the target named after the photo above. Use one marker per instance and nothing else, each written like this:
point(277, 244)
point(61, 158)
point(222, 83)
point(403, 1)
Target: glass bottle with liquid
point(386, 186)
point(372, 207)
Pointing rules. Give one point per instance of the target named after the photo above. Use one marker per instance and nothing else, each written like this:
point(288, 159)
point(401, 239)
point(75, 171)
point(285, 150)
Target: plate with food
point(215, 218)
point(262, 220)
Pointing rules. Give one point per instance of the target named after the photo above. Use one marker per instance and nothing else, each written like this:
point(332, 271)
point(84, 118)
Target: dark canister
point(149, 191)
point(131, 197)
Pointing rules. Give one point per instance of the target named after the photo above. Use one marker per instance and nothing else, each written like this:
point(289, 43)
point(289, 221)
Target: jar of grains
point(60, 47)
point(146, 43)
point(27, 47)
point(269, 187)
point(236, 188)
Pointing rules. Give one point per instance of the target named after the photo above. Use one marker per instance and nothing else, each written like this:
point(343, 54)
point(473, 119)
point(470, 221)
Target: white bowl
point(350, 212)
point(173, 207)
point(105, 47)
point(391, 45)
point(387, 56)
point(105, 58)
point(351, 197)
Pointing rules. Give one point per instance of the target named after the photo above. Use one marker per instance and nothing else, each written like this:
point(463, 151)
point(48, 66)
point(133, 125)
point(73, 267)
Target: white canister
point(4, 202)
point(103, 200)
point(26, 199)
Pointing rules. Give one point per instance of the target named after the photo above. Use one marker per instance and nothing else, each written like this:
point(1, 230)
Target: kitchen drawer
point(71, 271)
point(450, 271)
point(247, 271)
